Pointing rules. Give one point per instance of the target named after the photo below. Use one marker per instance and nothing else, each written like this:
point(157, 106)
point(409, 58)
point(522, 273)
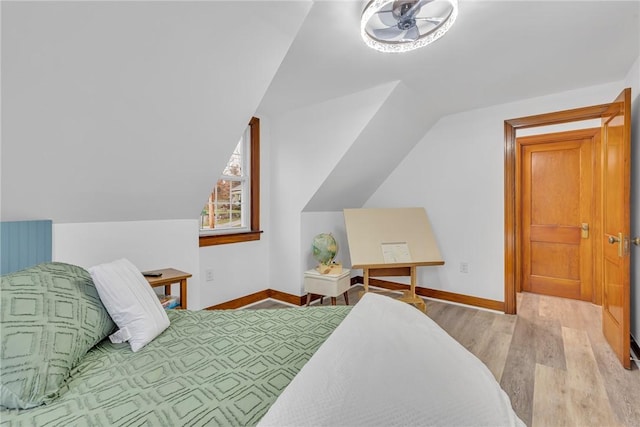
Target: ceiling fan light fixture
point(402, 25)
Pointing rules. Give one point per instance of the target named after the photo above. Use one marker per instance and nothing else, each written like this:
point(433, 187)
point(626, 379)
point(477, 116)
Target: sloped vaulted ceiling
point(128, 110)
point(390, 134)
point(497, 52)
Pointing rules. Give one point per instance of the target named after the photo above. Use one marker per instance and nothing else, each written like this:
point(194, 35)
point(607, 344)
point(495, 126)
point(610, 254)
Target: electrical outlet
point(209, 275)
point(464, 267)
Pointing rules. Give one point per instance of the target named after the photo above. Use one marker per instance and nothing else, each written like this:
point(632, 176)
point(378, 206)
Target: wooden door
point(616, 180)
point(557, 191)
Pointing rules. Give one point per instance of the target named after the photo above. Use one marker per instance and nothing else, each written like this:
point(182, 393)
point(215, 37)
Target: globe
point(325, 248)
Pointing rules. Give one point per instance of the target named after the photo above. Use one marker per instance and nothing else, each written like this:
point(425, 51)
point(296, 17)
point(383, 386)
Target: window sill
point(223, 239)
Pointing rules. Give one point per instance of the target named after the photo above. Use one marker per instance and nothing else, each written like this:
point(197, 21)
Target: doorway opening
point(513, 250)
point(558, 198)
point(614, 220)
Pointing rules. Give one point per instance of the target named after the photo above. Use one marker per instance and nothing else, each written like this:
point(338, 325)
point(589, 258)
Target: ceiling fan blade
point(387, 33)
point(412, 34)
point(386, 17)
point(434, 20)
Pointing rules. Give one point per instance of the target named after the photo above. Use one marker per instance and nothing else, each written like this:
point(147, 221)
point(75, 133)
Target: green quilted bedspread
point(208, 368)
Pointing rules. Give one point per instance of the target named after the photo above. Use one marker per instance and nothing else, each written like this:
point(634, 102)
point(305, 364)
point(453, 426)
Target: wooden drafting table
point(391, 242)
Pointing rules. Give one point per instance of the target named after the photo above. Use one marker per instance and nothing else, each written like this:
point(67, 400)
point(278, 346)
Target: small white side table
point(327, 285)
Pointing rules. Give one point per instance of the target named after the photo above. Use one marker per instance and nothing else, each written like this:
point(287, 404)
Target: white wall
point(397, 126)
point(456, 173)
point(241, 269)
point(306, 144)
point(148, 245)
point(238, 269)
point(115, 112)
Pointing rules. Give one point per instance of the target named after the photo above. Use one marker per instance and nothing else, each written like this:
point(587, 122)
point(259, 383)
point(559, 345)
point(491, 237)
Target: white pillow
point(131, 303)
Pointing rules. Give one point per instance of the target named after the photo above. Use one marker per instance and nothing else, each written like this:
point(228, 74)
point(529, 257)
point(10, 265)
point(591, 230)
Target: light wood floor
point(551, 359)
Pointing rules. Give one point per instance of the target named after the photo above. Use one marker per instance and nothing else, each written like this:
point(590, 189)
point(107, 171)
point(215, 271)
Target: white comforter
point(389, 364)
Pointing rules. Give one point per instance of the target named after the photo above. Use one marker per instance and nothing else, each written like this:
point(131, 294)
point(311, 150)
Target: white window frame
point(250, 182)
point(245, 185)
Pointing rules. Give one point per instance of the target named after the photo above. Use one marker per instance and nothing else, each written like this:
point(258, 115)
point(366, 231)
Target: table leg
point(420, 302)
point(167, 290)
point(346, 297)
point(183, 294)
point(333, 300)
point(413, 280)
point(366, 279)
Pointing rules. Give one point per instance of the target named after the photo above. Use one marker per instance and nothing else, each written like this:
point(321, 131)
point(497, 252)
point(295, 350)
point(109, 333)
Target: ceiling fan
point(403, 25)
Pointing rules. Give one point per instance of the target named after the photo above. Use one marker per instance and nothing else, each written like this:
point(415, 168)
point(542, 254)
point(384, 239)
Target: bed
point(298, 366)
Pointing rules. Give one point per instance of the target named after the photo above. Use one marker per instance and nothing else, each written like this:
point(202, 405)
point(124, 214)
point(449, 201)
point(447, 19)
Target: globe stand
point(333, 268)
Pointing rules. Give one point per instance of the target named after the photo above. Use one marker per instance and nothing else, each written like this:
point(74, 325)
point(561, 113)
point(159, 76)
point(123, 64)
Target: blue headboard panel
point(24, 244)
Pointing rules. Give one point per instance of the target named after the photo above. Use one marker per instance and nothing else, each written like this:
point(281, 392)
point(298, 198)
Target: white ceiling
point(125, 110)
point(120, 111)
point(496, 52)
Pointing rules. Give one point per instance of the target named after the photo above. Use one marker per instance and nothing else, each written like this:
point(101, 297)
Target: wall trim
point(438, 294)
point(242, 301)
point(393, 286)
point(266, 294)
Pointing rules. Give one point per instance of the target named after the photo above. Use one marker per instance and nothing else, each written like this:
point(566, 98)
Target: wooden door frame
point(512, 228)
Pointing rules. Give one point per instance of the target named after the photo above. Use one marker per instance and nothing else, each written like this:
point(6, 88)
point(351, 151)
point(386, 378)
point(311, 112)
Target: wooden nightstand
point(169, 277)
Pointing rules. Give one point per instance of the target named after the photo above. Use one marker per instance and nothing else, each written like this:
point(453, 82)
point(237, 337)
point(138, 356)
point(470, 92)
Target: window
point(232, 212)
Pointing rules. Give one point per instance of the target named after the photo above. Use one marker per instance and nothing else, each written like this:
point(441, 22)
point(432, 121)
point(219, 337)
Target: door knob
point(623, 243)
point(636, 241)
